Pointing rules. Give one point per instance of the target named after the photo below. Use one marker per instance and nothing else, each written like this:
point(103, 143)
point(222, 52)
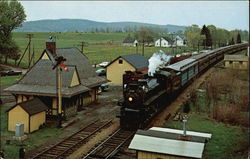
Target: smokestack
point(51, 46)
point(184, 125)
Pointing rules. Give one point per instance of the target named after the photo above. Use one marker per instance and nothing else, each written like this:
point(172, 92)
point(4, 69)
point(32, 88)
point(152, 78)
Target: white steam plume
point(157, 61)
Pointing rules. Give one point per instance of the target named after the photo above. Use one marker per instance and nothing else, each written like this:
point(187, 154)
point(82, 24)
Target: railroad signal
point(59, 61)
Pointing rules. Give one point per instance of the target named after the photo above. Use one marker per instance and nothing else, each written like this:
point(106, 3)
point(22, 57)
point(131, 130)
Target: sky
point(224, 14)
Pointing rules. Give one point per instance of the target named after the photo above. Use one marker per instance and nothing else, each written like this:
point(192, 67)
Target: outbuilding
point(131, 62)
point(165, 143)
point(236, 61)
point(31, 113)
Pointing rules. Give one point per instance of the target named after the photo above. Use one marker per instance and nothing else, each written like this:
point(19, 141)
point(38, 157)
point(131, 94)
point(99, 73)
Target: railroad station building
point(132, 62)
point(236, 61)
point(166, 143)
point(79, 85)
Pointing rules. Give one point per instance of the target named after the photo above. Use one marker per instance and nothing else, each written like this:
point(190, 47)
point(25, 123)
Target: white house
point(162, 42)
point(179, 41)
point(130, 42)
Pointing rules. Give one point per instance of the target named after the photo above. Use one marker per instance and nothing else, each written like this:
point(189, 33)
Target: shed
point(131, 62)
point(31, 113)
point(236, 61)
point(168, 144)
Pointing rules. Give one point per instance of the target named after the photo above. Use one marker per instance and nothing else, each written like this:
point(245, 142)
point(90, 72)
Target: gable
point(75, 80)
point(45, 56)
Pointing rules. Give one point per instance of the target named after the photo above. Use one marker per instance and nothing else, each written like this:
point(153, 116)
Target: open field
point(100, 46)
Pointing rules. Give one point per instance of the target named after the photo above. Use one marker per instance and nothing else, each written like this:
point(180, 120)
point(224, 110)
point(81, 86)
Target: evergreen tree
point(232, 42)
point(208, 40)
point(238, 38)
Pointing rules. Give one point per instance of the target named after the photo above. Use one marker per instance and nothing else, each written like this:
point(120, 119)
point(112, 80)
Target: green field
point(100, 46)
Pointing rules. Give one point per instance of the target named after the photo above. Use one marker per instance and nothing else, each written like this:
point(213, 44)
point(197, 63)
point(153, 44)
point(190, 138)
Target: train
point(144, 96)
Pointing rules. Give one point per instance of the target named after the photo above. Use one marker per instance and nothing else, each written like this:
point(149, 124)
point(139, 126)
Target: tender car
point(101, 72)
point(103, 64)
point(10, 73)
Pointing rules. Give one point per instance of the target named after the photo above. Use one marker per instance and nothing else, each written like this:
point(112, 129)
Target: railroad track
point(73, 142)
point(109, 147)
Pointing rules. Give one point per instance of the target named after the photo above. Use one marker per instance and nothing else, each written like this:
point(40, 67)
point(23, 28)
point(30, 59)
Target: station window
point(230, 62)
point(241, 62)
point(120, 61)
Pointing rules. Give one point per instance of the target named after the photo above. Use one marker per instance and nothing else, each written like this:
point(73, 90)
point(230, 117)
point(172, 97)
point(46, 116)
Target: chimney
point(51, 46)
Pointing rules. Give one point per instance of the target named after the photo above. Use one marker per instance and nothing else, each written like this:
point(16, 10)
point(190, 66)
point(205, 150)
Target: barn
point(131, 62)
point(166, 143)
point(31, 113)
point(79, 85)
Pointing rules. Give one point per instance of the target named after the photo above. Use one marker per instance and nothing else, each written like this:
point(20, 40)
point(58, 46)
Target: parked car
point(103, 64)
point(101, 72)
point(103, 87)
point(10, 73)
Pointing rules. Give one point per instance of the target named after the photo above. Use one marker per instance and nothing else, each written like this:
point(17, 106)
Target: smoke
point(158, 60)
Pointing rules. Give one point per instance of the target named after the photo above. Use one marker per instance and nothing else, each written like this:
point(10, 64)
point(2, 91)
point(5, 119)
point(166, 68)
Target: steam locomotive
point(144, 96)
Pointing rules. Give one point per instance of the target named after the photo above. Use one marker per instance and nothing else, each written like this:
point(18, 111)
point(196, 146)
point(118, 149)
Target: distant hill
point(81, 25)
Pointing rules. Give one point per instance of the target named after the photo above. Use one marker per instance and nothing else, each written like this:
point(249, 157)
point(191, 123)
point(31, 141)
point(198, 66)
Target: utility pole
point(29, 36)
point(82, 45)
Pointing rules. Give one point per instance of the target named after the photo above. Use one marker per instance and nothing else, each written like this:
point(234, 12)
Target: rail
point(67, 146)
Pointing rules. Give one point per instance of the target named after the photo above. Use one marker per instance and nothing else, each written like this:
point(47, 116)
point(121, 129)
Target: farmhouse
point(131, 62)
point(79, 85)
point(129, 41)
point(179, 41)
point(173, 145)
point(163, 42)
point(236, 61)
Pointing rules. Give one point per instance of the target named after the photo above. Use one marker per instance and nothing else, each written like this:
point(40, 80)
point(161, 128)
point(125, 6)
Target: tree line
point(212, 37)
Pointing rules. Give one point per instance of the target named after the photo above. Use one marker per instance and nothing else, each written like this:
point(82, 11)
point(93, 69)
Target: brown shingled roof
point(41, 79)
point(32, 107)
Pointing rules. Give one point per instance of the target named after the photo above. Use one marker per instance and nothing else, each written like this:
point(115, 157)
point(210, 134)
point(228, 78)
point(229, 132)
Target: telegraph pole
point(82, 45)
point(29, 36)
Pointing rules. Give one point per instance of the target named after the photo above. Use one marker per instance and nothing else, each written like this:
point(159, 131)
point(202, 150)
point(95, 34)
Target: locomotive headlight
point(130, 99)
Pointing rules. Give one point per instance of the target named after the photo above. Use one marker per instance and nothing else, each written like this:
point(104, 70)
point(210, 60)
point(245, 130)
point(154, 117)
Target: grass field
point(100, 47)
point(9, 80)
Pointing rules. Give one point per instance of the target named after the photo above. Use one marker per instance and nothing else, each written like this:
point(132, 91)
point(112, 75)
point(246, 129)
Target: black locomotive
point(144, 95)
